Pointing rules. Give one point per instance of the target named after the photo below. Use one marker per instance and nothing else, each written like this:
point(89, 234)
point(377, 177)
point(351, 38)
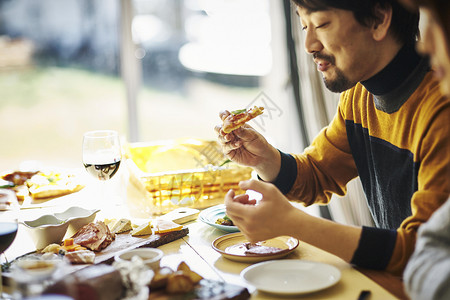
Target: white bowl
point(77, 217)
point(46, 230)
point(150, 256)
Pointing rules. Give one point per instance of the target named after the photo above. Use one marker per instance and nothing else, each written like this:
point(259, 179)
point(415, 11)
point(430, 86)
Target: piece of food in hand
point(94, 236)
point(80, 257)
point(226, 221)
point(144, 229)
point(238, 118)
point(164, 226)
point(121, 226)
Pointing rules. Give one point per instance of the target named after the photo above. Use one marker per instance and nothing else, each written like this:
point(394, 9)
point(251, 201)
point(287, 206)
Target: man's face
point(434, 43)
point(342, 48)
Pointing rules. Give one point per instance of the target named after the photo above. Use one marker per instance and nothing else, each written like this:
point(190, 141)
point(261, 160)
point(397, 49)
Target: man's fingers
point(234, 207)
point(256, 185)
point(223, 114)
point(243, 198)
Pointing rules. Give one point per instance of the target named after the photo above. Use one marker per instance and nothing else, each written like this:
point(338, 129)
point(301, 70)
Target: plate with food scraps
point(291, 277)
point(211, 216)
point(235, 246)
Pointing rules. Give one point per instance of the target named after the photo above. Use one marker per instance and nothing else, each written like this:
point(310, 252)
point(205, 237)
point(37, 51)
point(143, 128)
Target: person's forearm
point(269, 168)
point(338, 239)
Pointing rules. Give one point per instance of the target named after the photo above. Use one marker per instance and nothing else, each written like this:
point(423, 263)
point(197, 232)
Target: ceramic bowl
point(150, 256)
point(77, 217)
point(46, 230)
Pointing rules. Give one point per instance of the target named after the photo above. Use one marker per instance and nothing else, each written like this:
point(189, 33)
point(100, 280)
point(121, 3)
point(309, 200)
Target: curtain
point(318, 109)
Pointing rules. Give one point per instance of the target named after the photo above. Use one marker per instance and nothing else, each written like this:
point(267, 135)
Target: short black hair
point(404, 25)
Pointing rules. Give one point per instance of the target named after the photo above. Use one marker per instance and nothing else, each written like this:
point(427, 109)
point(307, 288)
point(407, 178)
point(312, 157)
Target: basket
point(180, 173)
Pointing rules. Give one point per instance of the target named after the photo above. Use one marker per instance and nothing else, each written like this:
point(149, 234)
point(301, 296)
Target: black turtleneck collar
point(393, 85)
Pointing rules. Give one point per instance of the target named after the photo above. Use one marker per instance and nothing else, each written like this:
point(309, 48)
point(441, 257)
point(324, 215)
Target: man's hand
point(267, 219)
point(274, 216)
point(248, 147)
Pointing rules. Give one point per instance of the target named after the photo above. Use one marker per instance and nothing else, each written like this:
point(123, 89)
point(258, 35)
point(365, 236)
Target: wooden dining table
point(196, 250)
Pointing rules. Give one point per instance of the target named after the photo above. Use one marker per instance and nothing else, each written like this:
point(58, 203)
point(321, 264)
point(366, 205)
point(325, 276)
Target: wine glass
point(9, 212)
point(101, 155)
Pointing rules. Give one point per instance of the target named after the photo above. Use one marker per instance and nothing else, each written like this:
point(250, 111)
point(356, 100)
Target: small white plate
point(211, 214)
point(291, 276)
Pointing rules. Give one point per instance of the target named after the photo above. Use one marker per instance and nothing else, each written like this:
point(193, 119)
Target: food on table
point(100, 282)
point(160, 278)
point(52, 248)
point(41, 185)
point(179, 283)
point(247, 248)
point(110, 222)
point(238, 118)
point(226, 221)
point(94, 236)
point(37, 265)
point(69, 246)
point(257, 248)
point(182, 280)
point(164, 226)
point(80, 257)
point(74, 253)
point(18, 177)
point(183, 267)
point(144, 229)
point(121, 226)
point(52, 184)
point(16, 181)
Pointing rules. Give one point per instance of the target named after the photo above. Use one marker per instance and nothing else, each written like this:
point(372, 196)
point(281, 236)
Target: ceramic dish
point(210, 216)
point(46, 230)
point(291, 276)
point(229, 246)
point(77, 217)
point(151, 257)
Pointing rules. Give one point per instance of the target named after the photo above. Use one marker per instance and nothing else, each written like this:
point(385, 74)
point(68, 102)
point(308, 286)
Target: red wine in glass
point(8, 231)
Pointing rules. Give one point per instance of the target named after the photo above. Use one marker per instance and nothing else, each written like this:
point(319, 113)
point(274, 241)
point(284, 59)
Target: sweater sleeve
point(326, 166)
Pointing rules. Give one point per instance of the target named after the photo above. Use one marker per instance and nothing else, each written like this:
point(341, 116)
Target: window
point(195, 58)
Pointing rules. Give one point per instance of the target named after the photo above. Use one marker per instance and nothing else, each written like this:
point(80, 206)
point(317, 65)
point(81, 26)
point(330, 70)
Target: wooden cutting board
point(124, 241)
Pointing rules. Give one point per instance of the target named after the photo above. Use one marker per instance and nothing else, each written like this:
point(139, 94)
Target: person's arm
point(427, 274)
point(274, 215)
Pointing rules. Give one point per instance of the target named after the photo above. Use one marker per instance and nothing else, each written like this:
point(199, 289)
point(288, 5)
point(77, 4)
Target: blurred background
point(153, 70)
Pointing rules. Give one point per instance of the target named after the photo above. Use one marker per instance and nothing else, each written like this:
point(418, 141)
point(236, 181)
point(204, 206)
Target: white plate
point(210, 216)
point(291, 276)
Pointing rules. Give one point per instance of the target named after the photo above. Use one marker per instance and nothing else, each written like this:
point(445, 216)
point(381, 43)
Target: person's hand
point(248, 147)
point(273, 216)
